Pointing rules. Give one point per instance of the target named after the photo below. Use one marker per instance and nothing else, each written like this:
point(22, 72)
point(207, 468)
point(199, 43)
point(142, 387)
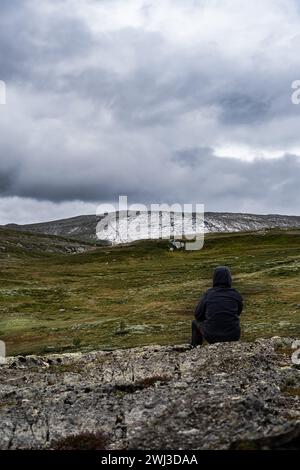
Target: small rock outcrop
point(222, 396)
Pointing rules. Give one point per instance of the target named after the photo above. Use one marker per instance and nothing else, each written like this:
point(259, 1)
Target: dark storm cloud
point(7, 178)
point(140, 99)
point(242, 109)
point(31, 44)
point(192, 175)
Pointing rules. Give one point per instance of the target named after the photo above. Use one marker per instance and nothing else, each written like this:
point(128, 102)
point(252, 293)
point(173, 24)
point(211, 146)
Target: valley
point(77, 296)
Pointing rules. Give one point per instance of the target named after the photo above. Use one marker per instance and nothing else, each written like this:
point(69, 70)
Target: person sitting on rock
point(217, 316)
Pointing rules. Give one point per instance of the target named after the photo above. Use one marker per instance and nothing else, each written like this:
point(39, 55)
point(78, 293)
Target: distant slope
point(84, 227)
point(15, 241)
point(81, 228)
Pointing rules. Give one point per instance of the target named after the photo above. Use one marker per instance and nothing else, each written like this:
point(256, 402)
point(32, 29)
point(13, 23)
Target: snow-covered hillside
point(128, 227)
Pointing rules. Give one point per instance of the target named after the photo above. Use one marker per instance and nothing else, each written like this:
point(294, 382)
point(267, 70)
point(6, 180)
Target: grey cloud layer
point(192, 175)
point(141, 109)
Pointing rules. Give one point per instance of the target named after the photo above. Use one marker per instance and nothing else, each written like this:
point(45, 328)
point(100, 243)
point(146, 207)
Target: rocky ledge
point(234, 395)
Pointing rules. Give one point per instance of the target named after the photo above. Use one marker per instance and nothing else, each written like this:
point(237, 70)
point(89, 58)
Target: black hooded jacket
point(220, 309)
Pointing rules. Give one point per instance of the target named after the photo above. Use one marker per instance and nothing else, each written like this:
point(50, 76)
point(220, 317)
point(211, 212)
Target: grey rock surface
point(158, 397)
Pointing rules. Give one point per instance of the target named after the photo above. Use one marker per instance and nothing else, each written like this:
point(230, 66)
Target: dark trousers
point(197, 335)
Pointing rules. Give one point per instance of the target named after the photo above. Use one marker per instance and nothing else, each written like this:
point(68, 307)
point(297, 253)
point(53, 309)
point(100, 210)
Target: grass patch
point(292, 391)
point(83, 441)
point(142, 384)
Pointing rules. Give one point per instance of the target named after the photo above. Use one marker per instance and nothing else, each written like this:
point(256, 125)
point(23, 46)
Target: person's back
point(217, 314)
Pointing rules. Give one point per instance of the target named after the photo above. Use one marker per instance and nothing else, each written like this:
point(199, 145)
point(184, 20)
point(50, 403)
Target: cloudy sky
point(163, 101)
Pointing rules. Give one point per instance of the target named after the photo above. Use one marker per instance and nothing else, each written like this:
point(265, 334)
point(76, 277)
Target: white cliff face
point(145, 226)
point(141, 226)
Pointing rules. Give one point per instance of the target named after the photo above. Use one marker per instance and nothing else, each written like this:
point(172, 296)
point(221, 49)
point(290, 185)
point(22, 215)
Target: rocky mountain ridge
point(84, 227)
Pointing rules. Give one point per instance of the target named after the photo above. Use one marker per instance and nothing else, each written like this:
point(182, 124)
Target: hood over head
point(222, 277)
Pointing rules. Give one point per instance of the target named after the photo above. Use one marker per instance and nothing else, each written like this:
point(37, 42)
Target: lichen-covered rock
point(158, 397)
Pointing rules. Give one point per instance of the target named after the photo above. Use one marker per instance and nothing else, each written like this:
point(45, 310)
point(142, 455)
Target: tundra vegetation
point(60, 295)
